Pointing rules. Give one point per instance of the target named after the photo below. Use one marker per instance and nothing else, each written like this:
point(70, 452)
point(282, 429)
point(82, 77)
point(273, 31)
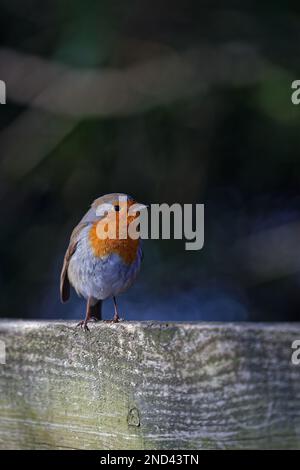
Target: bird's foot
point(116, 319)
point(83, 324)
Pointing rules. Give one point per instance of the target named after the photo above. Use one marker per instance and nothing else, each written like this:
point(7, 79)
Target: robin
point(100, 261)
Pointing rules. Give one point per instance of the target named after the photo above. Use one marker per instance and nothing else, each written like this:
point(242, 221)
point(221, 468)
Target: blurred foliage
point(234, 147)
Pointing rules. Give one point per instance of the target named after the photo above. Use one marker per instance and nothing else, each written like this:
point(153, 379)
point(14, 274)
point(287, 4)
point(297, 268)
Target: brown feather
point(89, 218)
point(64, 280)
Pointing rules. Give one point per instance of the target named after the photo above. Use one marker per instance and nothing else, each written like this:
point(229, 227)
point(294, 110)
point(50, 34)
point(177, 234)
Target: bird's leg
point(116, 318)
point(83, 323)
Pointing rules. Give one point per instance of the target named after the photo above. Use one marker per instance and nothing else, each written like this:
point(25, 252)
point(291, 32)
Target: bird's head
point(117, 211)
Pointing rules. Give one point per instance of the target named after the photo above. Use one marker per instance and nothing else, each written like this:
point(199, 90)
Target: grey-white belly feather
point(100, 278)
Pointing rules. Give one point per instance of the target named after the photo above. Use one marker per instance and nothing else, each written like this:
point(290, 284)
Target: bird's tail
point(95, 311)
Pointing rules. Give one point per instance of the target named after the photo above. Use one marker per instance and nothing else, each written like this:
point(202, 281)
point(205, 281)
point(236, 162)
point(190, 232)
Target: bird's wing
point(89, 218)
point(64, 280)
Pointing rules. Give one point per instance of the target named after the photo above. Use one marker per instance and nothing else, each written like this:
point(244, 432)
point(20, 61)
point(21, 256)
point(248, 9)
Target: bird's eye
point(117, 208)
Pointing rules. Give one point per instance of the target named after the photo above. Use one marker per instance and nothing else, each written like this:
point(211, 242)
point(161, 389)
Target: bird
point(100, 267)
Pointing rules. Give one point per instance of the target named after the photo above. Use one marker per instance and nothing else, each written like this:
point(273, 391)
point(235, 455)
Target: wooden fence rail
point(149, 386)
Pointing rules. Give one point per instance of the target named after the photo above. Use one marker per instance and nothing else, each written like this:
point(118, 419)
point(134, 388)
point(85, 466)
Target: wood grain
point(149, 386)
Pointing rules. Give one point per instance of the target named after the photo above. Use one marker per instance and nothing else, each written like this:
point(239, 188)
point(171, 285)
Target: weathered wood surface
point(149, 386)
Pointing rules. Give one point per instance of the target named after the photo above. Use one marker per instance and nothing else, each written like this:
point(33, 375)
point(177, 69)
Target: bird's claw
point(114, 320)
point(83, 324)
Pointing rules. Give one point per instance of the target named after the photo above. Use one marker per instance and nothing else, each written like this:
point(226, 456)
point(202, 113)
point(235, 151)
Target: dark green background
point(234, 147)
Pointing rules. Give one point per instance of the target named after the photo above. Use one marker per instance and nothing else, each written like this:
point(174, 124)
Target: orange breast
point(126, 249)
